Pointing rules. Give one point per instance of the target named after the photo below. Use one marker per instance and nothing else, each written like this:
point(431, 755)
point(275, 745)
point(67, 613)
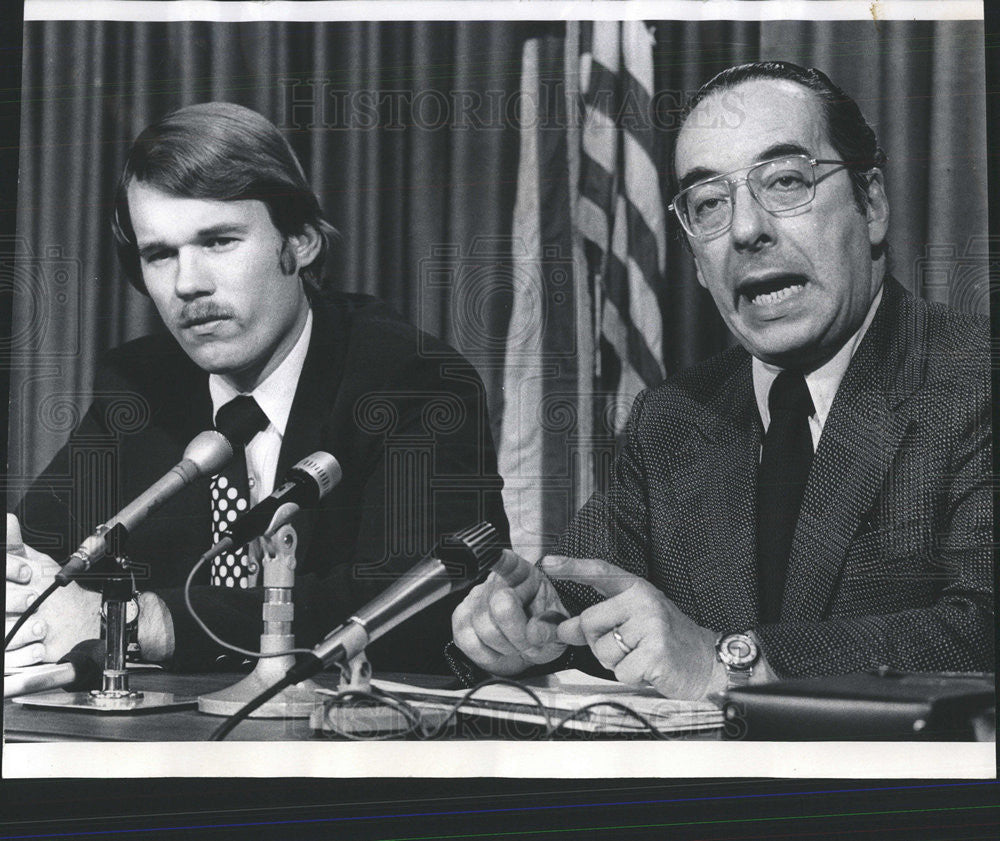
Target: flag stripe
point(633, 346)
point(620, 209)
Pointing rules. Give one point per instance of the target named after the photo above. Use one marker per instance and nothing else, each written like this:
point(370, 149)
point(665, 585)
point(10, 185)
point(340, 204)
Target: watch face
point(737, 650)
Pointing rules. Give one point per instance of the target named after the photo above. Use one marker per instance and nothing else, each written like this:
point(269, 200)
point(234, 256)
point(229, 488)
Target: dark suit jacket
point(891, 562)
point(403, 413)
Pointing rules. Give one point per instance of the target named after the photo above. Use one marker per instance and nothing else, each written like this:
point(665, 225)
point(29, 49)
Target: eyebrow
point(776, 150)
point(219, 230)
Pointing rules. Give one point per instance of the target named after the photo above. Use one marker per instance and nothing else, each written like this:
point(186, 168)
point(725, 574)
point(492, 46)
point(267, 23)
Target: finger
point(19, 598)
point(596, 621)
point(508, 616)
point(571, 632)
point(632, 670)
point(541, 632)
point(547, 606)
point(485, 628)
point(17, 569)
point(464, 633)
point(29, 655)
point(609, 653)
point(470, 644)
point(607, 579)
point(520, 575)
point(34, 630)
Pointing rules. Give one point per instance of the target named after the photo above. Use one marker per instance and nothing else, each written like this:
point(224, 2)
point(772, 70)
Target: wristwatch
point(739, 653)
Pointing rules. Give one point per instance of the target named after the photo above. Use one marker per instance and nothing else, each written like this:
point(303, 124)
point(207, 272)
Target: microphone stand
point(115, 695)
point(306, 699)
point(276, 636)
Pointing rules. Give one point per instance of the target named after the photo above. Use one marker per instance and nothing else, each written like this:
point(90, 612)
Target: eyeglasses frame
point(734, 183)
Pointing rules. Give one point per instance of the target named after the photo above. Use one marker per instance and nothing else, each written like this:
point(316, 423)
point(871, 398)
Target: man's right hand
point(508, 623)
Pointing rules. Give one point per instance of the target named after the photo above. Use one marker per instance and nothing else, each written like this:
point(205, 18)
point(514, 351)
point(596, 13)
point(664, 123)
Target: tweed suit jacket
point(891, 560)
point(404, 414)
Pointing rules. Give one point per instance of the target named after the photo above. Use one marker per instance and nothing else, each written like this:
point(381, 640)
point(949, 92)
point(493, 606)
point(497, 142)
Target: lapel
point(717, 487)
point(321, 375)
point(862, 433)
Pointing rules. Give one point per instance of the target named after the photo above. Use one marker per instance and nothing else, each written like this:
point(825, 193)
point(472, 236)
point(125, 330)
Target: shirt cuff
point(156, 629)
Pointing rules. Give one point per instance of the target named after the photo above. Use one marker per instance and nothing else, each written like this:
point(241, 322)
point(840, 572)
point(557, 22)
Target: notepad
point(565, 692)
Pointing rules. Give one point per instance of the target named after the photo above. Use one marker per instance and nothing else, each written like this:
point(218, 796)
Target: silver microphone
point(306, 484)
point(454, 564)
point(207, 453)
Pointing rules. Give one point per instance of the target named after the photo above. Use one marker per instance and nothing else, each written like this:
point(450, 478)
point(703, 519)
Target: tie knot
point(240, 419)
point(789, 393)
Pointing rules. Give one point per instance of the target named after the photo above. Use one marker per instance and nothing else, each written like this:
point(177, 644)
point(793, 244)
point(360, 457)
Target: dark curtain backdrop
point(921, 84)
point(409, 135)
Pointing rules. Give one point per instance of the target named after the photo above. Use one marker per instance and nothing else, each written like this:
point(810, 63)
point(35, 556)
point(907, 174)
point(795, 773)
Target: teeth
point(775, 297)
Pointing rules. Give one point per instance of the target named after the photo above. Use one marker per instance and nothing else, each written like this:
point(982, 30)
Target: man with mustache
point(815, 501)
point(216, 223)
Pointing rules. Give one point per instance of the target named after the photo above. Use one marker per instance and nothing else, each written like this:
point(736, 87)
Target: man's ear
point(304, 247)
point(877, 207)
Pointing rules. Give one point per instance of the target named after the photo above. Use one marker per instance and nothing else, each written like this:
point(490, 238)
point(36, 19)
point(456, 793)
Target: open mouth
point(772, 290)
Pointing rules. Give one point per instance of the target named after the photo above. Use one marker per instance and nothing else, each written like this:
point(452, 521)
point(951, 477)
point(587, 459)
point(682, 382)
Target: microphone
point(306, 484)
point(207, 453)
point(80, 670)
point(454, 564)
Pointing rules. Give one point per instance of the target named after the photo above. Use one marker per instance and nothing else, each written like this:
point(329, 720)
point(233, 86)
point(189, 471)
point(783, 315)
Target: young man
point(815, 501)
point(215, 221)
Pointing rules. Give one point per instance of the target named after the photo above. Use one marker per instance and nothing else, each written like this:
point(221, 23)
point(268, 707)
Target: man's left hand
point(70, 615)
point(668, 651)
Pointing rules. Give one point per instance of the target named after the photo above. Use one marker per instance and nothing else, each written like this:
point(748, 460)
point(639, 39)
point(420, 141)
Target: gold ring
point(624, 646)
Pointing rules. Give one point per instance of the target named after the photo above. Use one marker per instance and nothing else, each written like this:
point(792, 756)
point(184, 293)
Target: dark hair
point(225, 152)
point(847, 127)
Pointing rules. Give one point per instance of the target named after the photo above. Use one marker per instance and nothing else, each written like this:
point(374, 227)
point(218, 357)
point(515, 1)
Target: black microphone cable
point(29, 612)
point(227, 726)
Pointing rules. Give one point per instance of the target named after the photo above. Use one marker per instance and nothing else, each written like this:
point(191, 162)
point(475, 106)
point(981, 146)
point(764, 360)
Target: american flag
point(620, 211)
point(589, 247)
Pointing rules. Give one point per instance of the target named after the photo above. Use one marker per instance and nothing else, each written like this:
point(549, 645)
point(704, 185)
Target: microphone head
point(87, 659)
point(320, 468)
point(468, 553)
point(209, 451)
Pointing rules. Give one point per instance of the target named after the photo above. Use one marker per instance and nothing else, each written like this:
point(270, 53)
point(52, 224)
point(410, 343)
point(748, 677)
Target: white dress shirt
point(822, 383)
point(274, 396)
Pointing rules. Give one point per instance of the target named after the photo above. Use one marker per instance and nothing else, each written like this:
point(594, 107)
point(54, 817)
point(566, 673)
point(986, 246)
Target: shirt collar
point(822, 383)
point(275, 394)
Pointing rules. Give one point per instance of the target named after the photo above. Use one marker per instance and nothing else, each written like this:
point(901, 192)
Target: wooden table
point(23, 723)
point(27, 724)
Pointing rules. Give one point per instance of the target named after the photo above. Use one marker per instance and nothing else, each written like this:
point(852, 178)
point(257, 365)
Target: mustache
point(198, 312)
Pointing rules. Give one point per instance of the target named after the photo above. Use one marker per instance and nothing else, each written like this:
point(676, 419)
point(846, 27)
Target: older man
point(216, 222)
point(815, 501)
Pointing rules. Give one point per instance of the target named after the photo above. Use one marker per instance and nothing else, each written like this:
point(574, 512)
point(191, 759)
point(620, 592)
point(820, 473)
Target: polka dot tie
point(231, 494)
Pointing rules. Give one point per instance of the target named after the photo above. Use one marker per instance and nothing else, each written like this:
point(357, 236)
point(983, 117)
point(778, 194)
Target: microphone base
point(297, 701)
point(132, 703)
point(373, 721)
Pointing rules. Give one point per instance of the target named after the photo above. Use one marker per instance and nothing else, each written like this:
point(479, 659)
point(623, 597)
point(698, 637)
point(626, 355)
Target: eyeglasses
point(706, 208)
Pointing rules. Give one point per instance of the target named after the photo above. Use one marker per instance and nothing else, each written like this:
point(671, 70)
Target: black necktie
point(781, 479)
point(240, 419)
